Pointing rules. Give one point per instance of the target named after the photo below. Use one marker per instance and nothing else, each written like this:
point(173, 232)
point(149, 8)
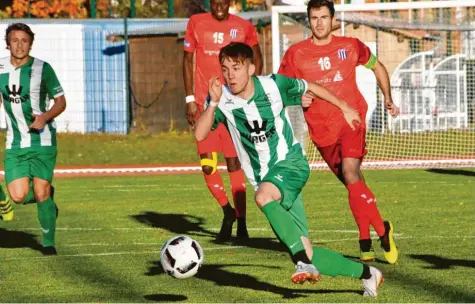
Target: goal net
point(428, 49)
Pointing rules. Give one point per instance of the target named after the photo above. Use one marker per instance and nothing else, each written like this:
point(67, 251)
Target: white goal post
point(428, 48)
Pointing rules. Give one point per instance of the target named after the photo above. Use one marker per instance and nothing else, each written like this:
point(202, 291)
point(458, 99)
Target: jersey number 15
point(218, 37)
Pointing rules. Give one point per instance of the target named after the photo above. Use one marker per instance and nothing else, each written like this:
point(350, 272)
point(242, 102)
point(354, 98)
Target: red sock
point(216, 187)
point(363, 205)
point(238, 188)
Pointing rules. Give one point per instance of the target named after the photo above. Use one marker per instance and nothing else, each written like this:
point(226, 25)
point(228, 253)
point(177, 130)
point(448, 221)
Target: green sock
point(333, 264)
point(3, 196)
point(284, 226)
point(30, 197)
point(47, 218)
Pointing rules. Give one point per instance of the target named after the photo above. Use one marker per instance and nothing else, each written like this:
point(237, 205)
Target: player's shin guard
point(216, 187)
point(363, 205)
point(238, 188)
point(47, 219)
point(284, 226)
point(334, 264)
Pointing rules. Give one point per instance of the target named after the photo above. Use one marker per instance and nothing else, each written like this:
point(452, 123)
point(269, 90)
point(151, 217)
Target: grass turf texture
point(111, 231)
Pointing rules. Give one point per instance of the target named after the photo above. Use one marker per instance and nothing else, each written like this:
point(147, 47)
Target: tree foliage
point(107, 8)
point(48, 9)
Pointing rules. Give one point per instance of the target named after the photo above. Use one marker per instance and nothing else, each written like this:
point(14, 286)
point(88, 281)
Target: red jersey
point(207, 36)
point(333, 66)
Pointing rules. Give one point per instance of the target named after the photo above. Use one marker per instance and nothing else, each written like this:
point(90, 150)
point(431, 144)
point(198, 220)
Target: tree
point(48, 9)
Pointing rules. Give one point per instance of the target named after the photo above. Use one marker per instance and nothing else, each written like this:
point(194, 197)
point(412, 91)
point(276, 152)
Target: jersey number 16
point(324, 63)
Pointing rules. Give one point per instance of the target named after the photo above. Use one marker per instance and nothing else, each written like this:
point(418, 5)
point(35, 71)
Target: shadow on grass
point(182, 224)
point(442, 263)
point(357, 259)
point(18, 239)
point(446, 293)
point(452, 171)
point(165, 298)
point(221, 277)
point(175, 223)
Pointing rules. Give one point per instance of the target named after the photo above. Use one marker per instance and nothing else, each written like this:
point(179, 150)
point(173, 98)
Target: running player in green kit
point(27, 85)
point(253, 110)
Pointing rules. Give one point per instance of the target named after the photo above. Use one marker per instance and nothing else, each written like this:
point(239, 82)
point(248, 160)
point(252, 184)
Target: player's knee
point(18, 196)
point(233, 164)
point(207, 170)
point(209, 166)
point(41, 196)
point(262, 198)
point(350, 176)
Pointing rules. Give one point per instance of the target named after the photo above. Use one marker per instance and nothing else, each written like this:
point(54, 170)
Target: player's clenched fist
point(191, 113)
point(352, 117)
point(307, 100)
point(215, 89)
point(391, 107)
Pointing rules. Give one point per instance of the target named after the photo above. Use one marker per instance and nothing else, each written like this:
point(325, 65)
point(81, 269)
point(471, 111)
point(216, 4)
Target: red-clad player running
point(205, 35)
point(331, 61)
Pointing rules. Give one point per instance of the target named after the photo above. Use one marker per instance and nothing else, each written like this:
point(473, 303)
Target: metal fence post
point(127, 74)
point(171, 12)
point(133, 11)
point(93, 9)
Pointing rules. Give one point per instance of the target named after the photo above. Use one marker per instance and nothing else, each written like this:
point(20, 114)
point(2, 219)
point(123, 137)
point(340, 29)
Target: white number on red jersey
point(324, 63)
point(218, 37)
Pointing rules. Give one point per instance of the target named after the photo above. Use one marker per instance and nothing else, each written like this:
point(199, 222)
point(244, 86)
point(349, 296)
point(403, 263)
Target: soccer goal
point(429, 50)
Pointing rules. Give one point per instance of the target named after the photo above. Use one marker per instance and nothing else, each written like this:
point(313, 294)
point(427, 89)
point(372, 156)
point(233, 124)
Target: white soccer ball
point(181, 257)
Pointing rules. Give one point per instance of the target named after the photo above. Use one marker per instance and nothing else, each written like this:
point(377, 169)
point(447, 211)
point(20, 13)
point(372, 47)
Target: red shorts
point(218, 140)
point(350, 144)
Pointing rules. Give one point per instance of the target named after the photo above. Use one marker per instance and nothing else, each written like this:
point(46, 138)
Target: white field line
point(80, 255)
point(211, 229)
point(107, 254)
point(229, 247)
point(139, 187)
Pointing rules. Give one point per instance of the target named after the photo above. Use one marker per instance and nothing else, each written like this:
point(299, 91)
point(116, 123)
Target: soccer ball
point(181, 257)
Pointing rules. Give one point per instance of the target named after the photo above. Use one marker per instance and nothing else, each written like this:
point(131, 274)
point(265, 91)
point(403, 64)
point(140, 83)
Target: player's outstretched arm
point(351, 115)
point(205, 122)
point(382, 77)
point(191, 108)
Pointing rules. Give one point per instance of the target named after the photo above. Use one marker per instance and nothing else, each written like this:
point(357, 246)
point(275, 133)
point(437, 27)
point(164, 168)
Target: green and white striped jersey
point(27, 90)
point(260, 127)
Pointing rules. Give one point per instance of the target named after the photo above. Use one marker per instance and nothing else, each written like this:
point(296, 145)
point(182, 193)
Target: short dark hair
point(237, 51)
point(316, 4)
point(19, 27)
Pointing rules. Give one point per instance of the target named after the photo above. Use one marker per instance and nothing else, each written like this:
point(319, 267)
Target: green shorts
point(290, 176)
point(30, 162)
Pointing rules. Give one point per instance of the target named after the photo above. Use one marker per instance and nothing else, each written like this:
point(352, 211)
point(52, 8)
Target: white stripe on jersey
point(14, 80)
point(295, 138)
point(35, 90)
point(262, 148)
point(271, 89)
point(241, 152)
point(9, 128)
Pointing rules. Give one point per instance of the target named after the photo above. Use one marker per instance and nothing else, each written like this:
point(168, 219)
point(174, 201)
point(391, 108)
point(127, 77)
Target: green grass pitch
point(111, 231)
